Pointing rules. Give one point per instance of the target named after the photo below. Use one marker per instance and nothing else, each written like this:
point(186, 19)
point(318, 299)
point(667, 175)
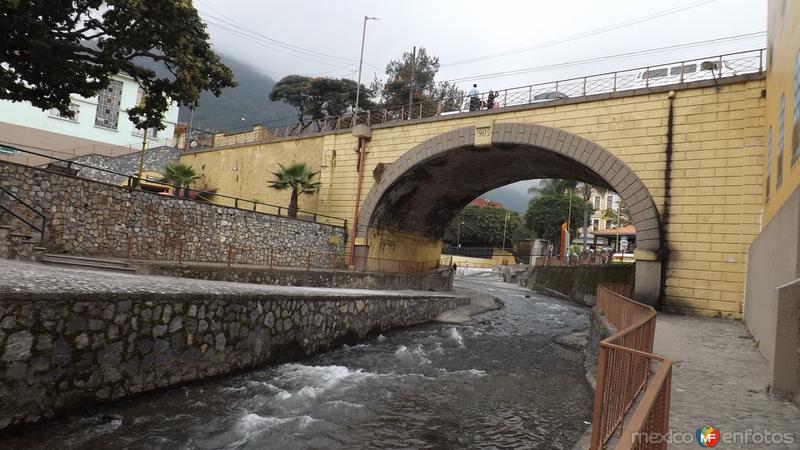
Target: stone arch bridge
point(686, 159)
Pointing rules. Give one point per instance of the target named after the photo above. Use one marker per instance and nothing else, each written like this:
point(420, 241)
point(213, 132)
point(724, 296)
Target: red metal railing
point(182, 251)
point(709, 68)
point(623, 371)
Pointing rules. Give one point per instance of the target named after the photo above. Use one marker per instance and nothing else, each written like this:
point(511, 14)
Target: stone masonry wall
point(64, 351)
point(436, 281)
point(91, 218)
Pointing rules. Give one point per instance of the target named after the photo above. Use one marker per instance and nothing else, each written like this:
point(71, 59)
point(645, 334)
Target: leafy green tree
point(181, 175)
point(299, 178)
point(483, 227)
point(313, 97)
point(618, 218)
point(547, 212)
point(52, 49)
point(395, 91)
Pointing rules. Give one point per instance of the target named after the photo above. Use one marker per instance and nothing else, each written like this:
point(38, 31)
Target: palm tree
point(180, 175)
point(299, 178)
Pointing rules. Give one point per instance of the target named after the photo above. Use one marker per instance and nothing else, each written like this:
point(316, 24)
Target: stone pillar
point(647, 288)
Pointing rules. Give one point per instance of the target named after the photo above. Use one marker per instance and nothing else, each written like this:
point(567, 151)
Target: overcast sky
point(456, 31)
point(459, 30)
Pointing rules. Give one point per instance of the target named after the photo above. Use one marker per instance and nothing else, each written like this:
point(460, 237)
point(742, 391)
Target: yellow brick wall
point(245, 170)
point(717, 175)
point(784, 47)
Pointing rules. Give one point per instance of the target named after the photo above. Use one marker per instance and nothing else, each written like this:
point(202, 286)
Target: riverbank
point(73, 338)
point(480, 302)
point(500, 381)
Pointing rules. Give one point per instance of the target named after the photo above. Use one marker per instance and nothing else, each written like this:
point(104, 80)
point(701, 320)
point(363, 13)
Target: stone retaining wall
point(579, 283)
point(63, 351)
point(92, 218)
point(438, 281)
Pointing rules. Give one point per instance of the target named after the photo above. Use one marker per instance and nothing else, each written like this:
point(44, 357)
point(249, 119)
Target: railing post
point(505, 98)
point(271, 257)
point(599, 393)
point(130, 247)
point(647, 77)
point(308, 261)
point(530, 94)
point(719, 69)
point(682, 72)
point(615, 83)
point(584, 86)
point(230, 256)
point(761, 60)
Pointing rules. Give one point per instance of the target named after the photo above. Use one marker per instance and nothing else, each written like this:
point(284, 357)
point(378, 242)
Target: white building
point(100, 126)
point(601, 202)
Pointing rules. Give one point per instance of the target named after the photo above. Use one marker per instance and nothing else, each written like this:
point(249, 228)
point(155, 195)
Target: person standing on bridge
point(490, 99)
point(474, 98)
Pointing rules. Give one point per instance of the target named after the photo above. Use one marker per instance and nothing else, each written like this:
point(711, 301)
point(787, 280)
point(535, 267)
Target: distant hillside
point(248, 100)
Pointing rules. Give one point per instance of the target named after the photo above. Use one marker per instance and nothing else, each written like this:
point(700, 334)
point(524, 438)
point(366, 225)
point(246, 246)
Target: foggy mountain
point(248, 100)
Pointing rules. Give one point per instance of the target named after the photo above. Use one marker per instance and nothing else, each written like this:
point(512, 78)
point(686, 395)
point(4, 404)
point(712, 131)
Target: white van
point(692, 71)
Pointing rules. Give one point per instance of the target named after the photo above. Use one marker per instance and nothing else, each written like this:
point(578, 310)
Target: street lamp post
point(361, 59)
point(458, 239)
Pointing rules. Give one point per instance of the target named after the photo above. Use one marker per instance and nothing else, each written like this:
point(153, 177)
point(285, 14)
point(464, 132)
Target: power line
point(278, 43)
point(586, 34)
point(609, 57)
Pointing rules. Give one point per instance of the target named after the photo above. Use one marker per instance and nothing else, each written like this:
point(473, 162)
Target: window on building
point(595, 224)
point(108, 104)
point(597, 202)
point(608, 224)
point(152, 133)
point(74, 107)
point(769, 162)
point(610, 202)
point(779, 162)
point(796, 111)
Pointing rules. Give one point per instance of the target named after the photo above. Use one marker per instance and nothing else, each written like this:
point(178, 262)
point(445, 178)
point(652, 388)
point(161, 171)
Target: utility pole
point(141, 159)
point(505, 225)
point(411, 85)
point(361, 60)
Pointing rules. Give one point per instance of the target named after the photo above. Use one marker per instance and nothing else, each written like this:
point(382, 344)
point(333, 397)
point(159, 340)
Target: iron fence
point(623, 371)
point(710, 68)
point(190, 252)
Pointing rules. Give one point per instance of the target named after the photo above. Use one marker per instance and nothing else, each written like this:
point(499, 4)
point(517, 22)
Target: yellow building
point(772, 298)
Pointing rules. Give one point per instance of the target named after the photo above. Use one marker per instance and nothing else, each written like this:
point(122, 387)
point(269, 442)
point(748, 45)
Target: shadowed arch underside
point(426, 187)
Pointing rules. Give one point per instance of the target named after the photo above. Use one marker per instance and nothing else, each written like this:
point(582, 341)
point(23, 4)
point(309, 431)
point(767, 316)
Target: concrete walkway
point(720, 379)
point(22, 279)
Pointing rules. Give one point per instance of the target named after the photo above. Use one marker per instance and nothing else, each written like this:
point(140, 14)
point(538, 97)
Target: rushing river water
point(500, 383)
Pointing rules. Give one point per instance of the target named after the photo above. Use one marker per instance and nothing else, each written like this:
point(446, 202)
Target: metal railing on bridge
point(624, 370)
point(710, 68)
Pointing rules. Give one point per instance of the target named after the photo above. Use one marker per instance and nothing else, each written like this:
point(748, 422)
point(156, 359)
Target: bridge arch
point(427, 186)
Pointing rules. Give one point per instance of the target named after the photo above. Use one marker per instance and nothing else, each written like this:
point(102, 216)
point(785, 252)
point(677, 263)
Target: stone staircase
point(19, 246)
point(85, 262)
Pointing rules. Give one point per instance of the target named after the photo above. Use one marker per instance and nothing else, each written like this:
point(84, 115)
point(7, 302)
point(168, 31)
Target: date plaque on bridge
point(483, 134)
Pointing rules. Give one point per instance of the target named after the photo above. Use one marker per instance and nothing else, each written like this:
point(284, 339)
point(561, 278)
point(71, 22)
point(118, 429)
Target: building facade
point(772, 297)
point(100, 126)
